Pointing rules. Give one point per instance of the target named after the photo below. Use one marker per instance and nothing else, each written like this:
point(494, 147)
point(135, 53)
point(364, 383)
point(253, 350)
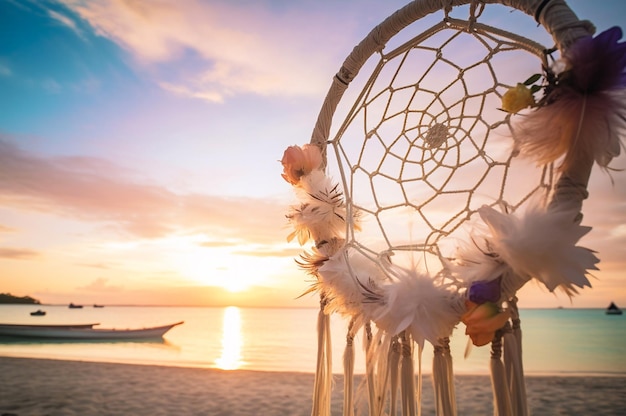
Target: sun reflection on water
point(232, 340)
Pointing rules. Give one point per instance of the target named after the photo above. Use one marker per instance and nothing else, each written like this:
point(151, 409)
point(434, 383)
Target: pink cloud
point(17, 253)
point(103, 266)
point(4, 229)
point(95, 190)
point(294, 252)
point(245, 48)
point(100, 285)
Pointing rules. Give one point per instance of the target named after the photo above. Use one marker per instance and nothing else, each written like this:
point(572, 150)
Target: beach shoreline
point(56, 387)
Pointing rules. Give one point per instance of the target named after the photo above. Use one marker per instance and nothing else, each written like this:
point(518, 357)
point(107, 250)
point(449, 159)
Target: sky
point(140, 145)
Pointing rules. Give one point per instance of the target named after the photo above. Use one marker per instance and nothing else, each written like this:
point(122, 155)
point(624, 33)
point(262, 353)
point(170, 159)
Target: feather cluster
point(583, 112)
point(321, 215)
point(351, 284)
point(413, 302)
point(540, 244)
point(396, 299)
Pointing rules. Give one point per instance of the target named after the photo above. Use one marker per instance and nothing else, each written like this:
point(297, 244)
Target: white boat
point(82, 331)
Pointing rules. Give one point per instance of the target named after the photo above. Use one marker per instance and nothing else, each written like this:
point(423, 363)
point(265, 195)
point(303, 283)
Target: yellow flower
point(299, 161)
point(482, 321)
point(517, 98)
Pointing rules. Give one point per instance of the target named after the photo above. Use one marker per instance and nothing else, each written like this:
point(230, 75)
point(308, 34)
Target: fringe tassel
point(382, 369)
point(450, 387)
point(407, 376)
point(420, 350)
point(348, 369)
point(439, 375)
point(501, 400)
point(329, 367)
point(513, 363)
point(443, 380)
point(394, 373)
point(369, 368)
point(323, 373)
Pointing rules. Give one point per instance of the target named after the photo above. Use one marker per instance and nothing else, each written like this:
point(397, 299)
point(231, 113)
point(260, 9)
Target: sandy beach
point(52, 387)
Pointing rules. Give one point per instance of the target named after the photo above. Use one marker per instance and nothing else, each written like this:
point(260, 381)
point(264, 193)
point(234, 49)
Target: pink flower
point(482, 321)
point(300, 161)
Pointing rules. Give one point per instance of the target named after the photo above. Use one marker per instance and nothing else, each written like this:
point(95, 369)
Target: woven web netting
point(425, 143)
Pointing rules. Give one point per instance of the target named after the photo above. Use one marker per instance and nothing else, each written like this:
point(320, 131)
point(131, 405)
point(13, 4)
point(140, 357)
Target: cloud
point(89, 85)
point(5, 70)
point(213, 244)
point(67, 22)
point(100, 285)
point(227, 48)
point(17, 253)
point(51, 86)
point(287, 252)
point(5, 229)
point(185, 91)
point(98, 191)
point(102, 266)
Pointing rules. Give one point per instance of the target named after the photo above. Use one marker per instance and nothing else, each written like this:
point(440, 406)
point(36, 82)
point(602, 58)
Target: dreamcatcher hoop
point(416, 134)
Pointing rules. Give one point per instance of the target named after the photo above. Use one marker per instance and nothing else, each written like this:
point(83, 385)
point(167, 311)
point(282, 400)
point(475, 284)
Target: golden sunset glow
point(232, 340)
point(221, 266)
point(142, 163)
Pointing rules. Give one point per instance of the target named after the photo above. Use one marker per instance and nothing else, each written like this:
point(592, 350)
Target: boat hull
point(84, 331)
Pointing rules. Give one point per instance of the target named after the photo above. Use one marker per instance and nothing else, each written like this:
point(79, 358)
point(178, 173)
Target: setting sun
point(233, 267)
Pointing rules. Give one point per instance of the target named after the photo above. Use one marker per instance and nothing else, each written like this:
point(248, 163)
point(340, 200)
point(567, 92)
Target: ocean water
point(555, 341)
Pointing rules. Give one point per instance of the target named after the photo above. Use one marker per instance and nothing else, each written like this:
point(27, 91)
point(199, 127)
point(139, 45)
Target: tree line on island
point(7, 298)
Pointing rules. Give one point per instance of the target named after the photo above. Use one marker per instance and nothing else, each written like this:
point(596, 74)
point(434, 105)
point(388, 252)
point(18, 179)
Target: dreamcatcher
point(460, 177)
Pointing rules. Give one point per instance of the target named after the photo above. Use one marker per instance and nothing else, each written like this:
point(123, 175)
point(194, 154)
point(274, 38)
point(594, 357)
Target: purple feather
point(597, 64)
point(485, 291)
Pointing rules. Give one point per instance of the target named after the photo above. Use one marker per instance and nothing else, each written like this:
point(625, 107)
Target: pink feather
point(575, 124)
point(583, 115)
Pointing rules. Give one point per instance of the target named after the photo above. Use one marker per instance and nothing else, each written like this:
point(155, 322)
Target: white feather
point(351, 283)
point(413, 302)
point(322, 208)
point(542, 244)
point(476, 261)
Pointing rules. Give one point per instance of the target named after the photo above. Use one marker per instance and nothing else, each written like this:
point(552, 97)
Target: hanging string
point(369, 368)
point(501, 400)
point(440, 372)
point(513, 362)
point(348, 368)
point(407, 383)
point(443, 380)
point(323, 373)
point(394, 373)
point(450, 385)
point(383, 358)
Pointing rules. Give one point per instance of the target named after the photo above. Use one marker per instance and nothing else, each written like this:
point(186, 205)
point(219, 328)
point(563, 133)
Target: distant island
point(6, 298)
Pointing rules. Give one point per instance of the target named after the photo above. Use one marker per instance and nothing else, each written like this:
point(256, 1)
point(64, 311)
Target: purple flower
point(597, 64)
point(485, 291)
